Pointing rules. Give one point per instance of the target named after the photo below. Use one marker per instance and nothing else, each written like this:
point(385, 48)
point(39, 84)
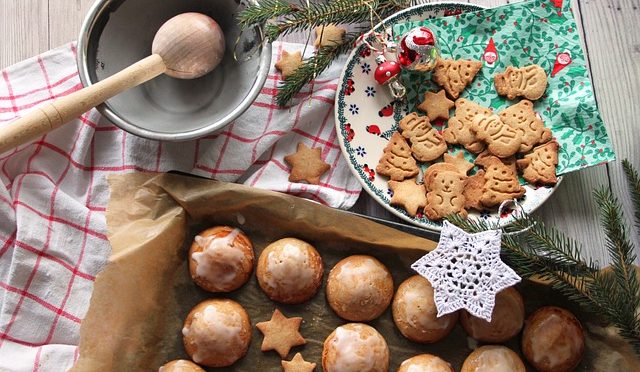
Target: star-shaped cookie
point(329, 35)
point(306, 165)
point(289, 63)
point(281, 333)
point(459, 162)
point(408, 194)
point(436, 105)
point(298, 364)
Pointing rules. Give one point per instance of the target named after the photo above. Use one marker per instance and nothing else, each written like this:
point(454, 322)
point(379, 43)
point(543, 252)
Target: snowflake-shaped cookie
point(466, 271)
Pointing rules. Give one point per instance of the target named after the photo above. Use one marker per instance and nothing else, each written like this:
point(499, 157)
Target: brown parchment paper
point(142, 296)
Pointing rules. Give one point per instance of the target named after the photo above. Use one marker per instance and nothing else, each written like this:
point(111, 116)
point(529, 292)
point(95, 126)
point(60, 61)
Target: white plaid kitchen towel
point(53, 192)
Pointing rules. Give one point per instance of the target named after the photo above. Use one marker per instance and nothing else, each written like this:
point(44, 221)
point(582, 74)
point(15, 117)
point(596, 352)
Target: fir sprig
point(312, 67)
point(633, 180)
point(264, 11)
point(545, 253)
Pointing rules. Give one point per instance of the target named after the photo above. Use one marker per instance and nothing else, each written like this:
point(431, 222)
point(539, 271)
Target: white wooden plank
point(65, 19)
point(23, 29)
point(612, 30)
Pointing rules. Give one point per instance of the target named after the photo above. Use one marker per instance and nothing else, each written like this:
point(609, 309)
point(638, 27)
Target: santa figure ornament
point(418, 50)
point(563, 59)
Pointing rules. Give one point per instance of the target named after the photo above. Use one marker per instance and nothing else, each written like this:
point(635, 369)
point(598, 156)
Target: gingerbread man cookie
point(502, 140)
point(539, 167)
point(397, 162)
point(529, 82)
point(455, 75)
point(522, 117)
point(426, 143)
point(500, 183)
point(459, 127)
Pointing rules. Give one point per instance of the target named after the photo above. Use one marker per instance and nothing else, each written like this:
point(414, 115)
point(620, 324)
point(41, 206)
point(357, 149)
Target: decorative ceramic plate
point(366, 117)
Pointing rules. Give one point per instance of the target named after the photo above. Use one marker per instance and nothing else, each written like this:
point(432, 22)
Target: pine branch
point(312, 67)
point(264, 11)
point(633, 181)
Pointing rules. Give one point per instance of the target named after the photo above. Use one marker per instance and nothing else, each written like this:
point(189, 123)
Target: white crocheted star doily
point(466, 271)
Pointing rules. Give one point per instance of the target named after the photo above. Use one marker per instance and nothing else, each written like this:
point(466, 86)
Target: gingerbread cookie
point(473, 191)
point(500, 183)
point(455, 75)
point(289, 63)
point(529, 82)
point(426, 143)
point(397, 162)
point(297, 364)
point(281, 333)
point(329, 35)
point(306, 165)
point(522, 117)
point(445, 194)
point(459, 127)
point(484, 160)
point(502, 140)
point(409, 195)
point(539, 167)
point(459, 162)
point(436, 105)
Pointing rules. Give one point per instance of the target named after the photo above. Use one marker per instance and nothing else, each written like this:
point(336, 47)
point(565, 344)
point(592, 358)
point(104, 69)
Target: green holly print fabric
point(541, 32)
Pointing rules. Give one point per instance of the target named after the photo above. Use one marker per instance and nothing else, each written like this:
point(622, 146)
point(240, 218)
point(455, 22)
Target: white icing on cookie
point(421, 312)
point(496, 360)
point(359, 279)
point(289, 268)
point(354, 353)
point(213, 332)
point(219, 261)
point(552, 342)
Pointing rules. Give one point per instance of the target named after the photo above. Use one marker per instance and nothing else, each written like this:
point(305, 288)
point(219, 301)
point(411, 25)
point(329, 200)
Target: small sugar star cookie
point(298, 364)
point(306, 165)
point(281, 333)
point(459, 162)
point(409, 195)
point(436, 105)
point(331, 35)
point(289, 63)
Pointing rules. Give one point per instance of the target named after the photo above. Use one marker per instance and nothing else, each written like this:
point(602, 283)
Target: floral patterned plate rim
point(366, 117)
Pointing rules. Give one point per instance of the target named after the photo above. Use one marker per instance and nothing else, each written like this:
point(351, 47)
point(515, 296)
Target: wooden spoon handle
point(50, 116)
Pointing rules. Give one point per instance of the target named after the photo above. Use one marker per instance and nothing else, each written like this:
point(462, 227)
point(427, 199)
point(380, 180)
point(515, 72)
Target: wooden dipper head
point(190, 44)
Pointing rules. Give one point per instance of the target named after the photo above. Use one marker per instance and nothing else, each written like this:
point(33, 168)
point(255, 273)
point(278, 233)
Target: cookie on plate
point(522, 117)
point(539, 166)
point(221, 259)
point(529, 82)
point(458, 130)
point(217, 333)
point(445, 193)
point(436, 105)
point(355, 347)
point(409, 195)
point(473, 191)
point(396, 161)
point(502, 140)
point(426, 143)
point(455, 75)
point(500, 183)
point(359, 288)
point(290, 271)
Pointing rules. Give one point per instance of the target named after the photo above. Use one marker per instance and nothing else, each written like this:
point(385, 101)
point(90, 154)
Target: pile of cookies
point(359, 289)
point(513, 140)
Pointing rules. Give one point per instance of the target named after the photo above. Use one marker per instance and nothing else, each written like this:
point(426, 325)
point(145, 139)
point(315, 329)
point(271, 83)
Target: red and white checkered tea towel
point(53, 192)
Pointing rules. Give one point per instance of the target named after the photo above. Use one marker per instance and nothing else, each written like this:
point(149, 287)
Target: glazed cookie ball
point(359, 288)
point(425, 363)
point(290, 271)
point(217, 333)
point(355, 347)
point(180, 365)
point(507, 319)
point(493, 358)
point(221, 259)
point(415, 313)
point(553, 340)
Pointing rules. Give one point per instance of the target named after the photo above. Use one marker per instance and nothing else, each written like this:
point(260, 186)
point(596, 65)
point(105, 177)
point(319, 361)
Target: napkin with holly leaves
point(541, 32)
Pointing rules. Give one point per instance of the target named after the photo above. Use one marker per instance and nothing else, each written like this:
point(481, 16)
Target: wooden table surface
point(609, 28)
